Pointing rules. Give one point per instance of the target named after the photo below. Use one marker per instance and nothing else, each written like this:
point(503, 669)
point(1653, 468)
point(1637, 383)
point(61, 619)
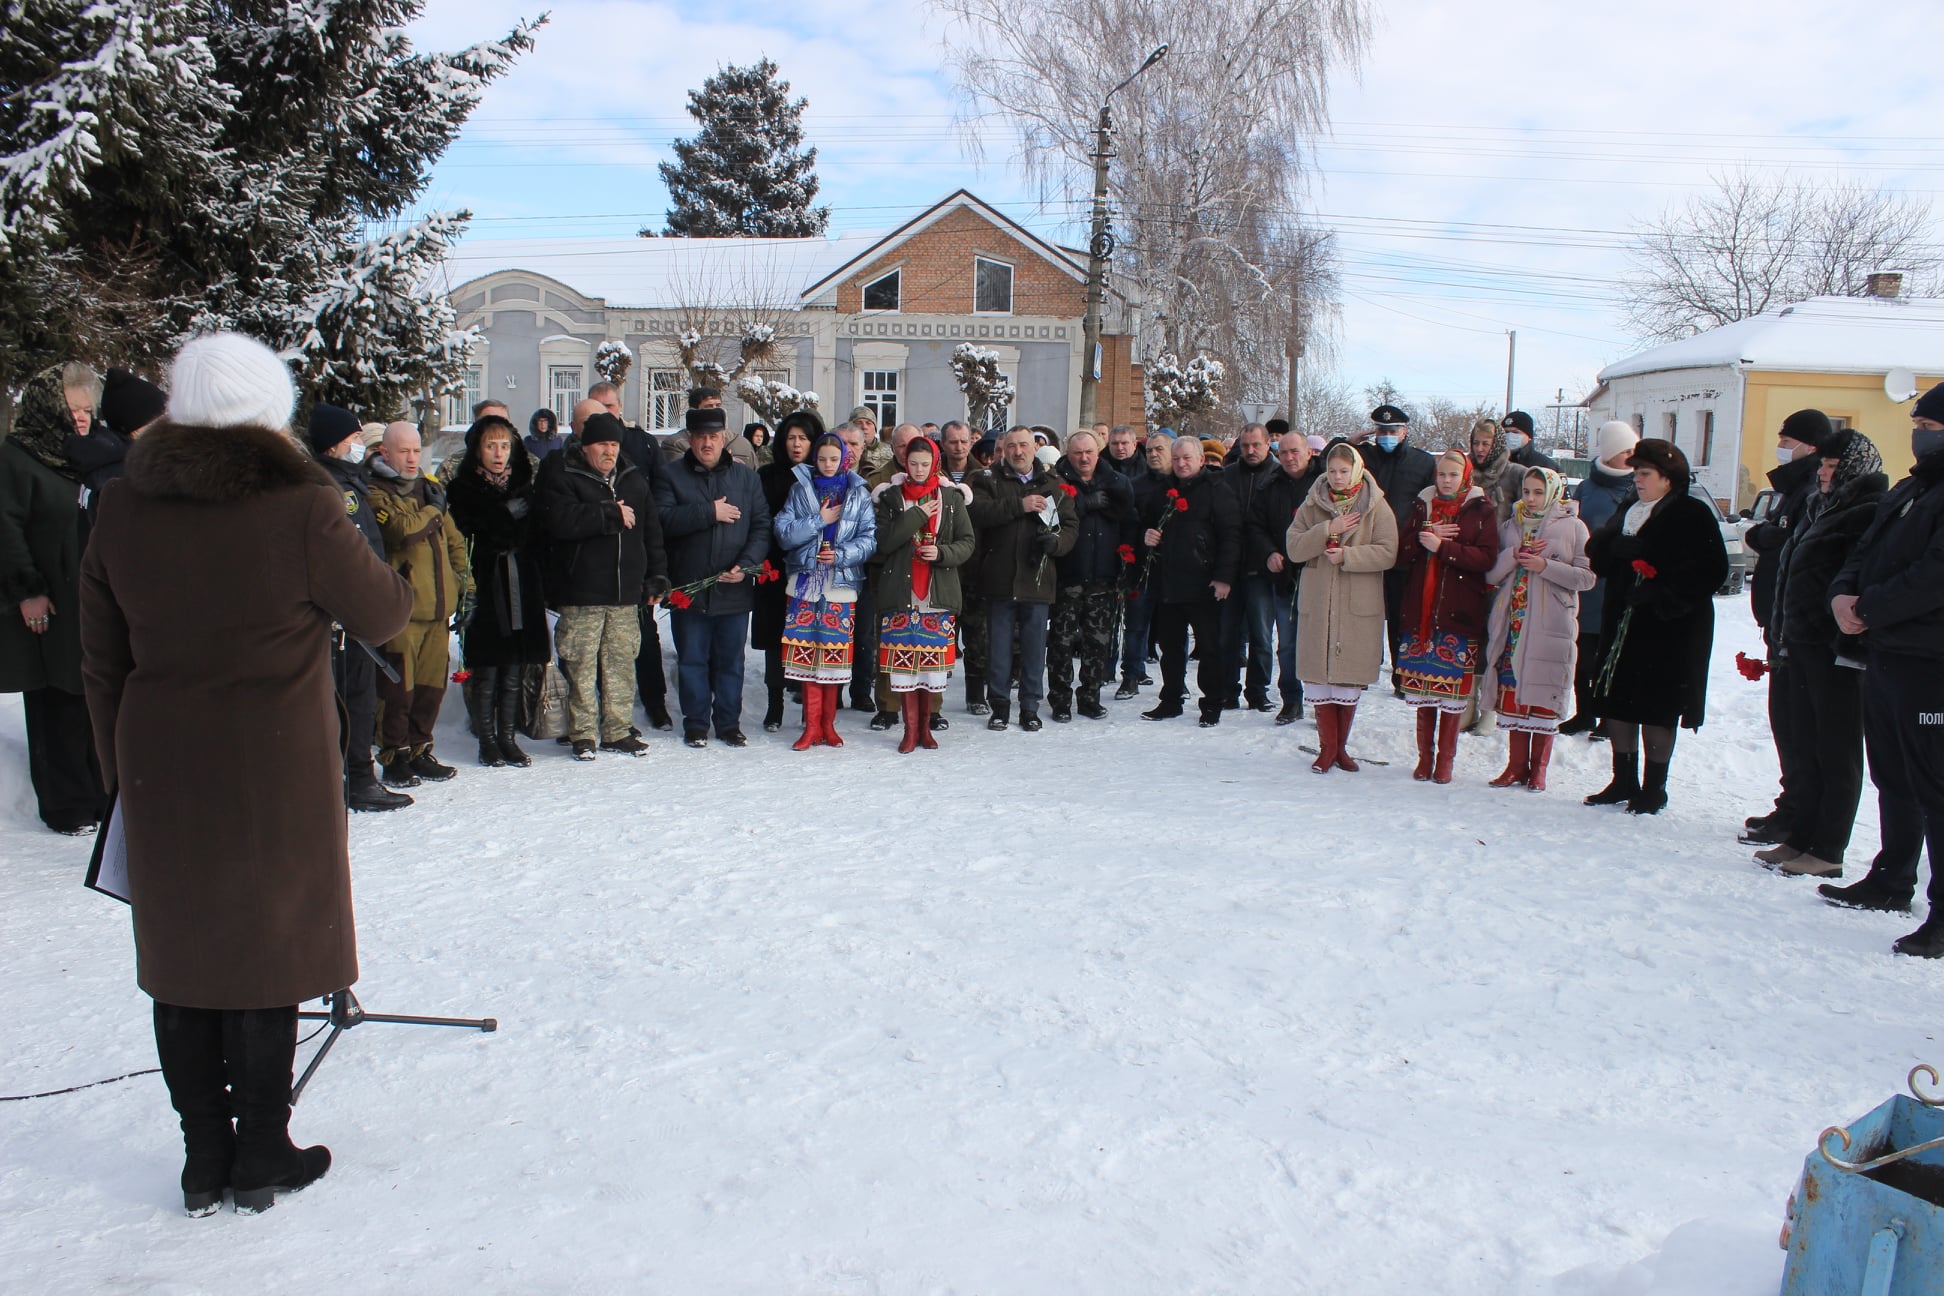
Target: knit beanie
point(228, 380)
point(128, 403)
point(1617, 438)
point(1930, 405)
point(605, 427)
point(1518, 421)
point(329, 427)
point(1809, 426)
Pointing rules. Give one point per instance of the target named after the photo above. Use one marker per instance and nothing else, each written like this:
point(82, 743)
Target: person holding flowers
point(1445, 549)
point(924, 535)
point(796, 436)
point(1344, 537)
point(717, 528)
point(1663, 559)
point(1532, 646)
point(827, 533)
point(1194, 541)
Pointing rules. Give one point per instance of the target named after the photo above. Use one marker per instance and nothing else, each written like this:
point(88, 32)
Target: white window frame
point(1704, 430)
point(1671, 424)
point(564, 398)
point(1012, 284)
point(664, 396)
point(460, 403)
point(886, 396)
point(897, 274)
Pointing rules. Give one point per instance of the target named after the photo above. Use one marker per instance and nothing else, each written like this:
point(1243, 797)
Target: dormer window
point(882, 294)
point(992, 287)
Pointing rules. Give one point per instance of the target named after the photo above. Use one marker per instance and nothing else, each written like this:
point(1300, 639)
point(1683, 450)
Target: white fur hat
point(1616, 438)
point(228, 380)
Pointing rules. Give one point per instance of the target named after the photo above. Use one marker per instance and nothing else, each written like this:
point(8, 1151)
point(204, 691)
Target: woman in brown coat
point(1345, 538)
point(207, 596)
point(1445, 550)
point(1533, 643)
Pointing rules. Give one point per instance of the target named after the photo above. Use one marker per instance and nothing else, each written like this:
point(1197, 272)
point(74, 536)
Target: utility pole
point(1511, 353)
point(1100, 250)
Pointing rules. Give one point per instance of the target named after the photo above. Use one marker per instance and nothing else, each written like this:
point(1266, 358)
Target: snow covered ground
point(1112, 1008)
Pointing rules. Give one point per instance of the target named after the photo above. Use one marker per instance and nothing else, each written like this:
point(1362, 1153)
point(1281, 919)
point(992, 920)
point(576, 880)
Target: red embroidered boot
point(1346, 715)
point(1326, 737)
point(908, 701)
point(925, 739)
point(813, 705)
point(832, 704)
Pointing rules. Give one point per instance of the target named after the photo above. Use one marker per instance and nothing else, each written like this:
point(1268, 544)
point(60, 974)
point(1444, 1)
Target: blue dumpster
point(1867, 1216)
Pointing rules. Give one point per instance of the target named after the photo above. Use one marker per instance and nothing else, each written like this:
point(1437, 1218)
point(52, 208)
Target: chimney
point(1884, 283)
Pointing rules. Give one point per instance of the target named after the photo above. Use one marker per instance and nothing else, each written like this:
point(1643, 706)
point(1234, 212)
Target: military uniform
point(422, 546)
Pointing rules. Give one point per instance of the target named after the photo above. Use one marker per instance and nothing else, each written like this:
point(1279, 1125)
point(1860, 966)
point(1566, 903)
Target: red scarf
point(928, 533)
point(1441, 510)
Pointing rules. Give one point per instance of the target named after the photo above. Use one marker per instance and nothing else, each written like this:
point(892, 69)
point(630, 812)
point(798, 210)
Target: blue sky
point(1484, 163)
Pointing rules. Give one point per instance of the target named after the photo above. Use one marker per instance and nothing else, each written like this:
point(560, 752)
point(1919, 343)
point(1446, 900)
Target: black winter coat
point(698, 545)
point(1200, 545)
point(1244, 482)
point(1104, 507)
point(1276, 502)
point(1897, 570)
point(1795, 485)
point(509, 625)
point(356, 484)
point(1662, 674)
point(592, 559)
point(1801, 620)
point(1401, 475)
point(99, 456)
point(1009, 547)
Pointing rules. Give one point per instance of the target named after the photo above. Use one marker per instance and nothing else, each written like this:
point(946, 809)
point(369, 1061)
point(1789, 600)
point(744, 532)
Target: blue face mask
point(1388, 443)
point(1925, 442)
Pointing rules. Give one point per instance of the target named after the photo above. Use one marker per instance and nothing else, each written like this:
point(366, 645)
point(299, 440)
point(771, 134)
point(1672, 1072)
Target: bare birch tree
point(1755, 242)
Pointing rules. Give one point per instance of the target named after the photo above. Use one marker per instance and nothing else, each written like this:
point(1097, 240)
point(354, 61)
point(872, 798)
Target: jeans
point(1135, 623)
point(1031, 620)
point(1255, 614)
point(709, 668)
point(1282, 613)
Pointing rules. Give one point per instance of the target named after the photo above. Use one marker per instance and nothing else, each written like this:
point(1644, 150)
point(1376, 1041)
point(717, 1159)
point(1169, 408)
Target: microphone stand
point(346, 1012)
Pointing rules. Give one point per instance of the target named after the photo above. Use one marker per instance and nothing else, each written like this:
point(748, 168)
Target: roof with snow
point(1869, 335)
point(651, 273)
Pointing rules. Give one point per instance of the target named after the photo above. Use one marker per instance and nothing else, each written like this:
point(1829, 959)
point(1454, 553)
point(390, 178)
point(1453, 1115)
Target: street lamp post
point(1100, 250)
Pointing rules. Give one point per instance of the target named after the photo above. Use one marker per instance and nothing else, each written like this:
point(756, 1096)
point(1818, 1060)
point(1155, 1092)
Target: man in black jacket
point(605, 561)
point(1276, 502)
point(334, 440)
point(1012, 506)
point(1798, 444)
point(1126, 457)
point(1518, 441)
point(1249, 619)
point(717, 525)
point(1090, 578)
point(1891, 593)
point(1195, 533)
point(1401, 471)
point(639, 448)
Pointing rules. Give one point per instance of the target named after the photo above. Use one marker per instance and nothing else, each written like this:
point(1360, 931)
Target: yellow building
point(1721, 395)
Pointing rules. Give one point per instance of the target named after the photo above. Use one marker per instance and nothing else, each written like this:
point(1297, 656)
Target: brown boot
point(1326, 738)
point(1345, 716)
point(1518, 764)
point(1427, 725)
point(925, 739)
point(1448, 722)
point(1542, 745)
point(912, 721)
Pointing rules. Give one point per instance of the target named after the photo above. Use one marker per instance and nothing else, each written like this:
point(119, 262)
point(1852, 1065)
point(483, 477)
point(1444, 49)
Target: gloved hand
point(517, 507)
point(1047, 541)
point(655, 587)
point(463, 616)
point(1623, 549)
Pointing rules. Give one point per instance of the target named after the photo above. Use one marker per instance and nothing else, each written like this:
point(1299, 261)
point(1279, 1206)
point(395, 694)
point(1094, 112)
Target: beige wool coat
point(1545, 657)
point(1340, 609)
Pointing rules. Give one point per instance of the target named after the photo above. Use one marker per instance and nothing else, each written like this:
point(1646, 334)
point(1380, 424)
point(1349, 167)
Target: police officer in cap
point(334, 439)
point(1401, 471)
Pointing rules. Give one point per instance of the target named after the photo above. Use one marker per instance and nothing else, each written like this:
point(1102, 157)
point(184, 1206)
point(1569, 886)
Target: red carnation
point(1069, 489)
point(1126, 553)
point(1181, 505)
point(461, 676)
point(1173, 493)
point(677, 599)
point(1644, 569)
point(1133, 594)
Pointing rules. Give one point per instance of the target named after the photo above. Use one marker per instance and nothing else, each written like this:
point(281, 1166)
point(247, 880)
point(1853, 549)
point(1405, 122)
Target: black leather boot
point(259, 1045)
point(1652, 797)
point(365, 794)
point(482, 701)
point(506, 708)
point(189, 1043)
point(1626, 781)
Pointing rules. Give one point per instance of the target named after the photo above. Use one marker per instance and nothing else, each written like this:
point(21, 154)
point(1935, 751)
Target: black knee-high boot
point(259, 1046)
point(482, 699)
point(189, 1044)
point(506, 708)
point(773, 685)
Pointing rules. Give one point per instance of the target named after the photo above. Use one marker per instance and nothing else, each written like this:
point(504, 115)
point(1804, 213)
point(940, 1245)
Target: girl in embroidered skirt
point(1345, 537)
point(827, 533)
point(1447, 547)
point(1533, 643)
point(924, 536)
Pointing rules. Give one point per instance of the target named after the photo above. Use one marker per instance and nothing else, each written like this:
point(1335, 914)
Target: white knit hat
point(228, 380)
point(1616, 438)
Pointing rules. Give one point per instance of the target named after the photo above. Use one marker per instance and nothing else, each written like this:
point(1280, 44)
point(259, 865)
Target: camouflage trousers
point(1083, 626)
point(597, 647)
point(975, 651)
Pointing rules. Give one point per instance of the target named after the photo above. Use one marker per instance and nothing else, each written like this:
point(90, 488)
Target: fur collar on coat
point(218, 465)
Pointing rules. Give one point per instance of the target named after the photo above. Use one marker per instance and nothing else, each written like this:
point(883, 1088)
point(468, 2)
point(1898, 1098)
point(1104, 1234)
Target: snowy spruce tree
point(173, 166)
point(770, 399)
point(746, 172)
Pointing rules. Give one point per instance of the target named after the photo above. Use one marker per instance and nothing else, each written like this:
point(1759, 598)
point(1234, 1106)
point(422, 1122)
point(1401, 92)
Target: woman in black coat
point(794, 437)
point(491, 498)
point(1663, 560)
point(1822, 696)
